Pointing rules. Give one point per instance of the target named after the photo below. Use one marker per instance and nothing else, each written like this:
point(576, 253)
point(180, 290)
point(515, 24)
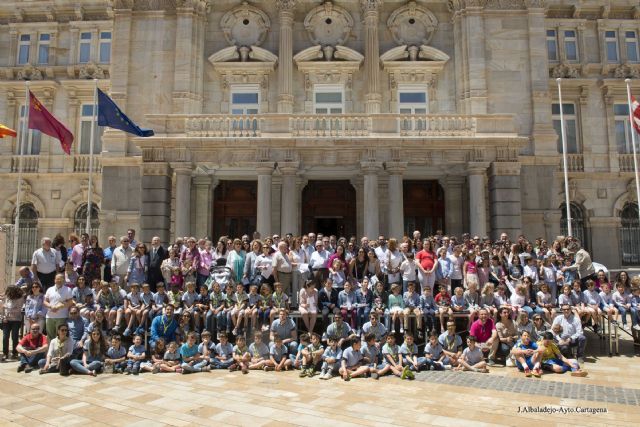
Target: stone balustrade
point(29, 163)
point(575, 163)
point(626, 162)
point(81, 163)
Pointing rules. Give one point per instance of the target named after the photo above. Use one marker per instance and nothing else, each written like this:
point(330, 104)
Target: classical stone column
point(372, 55)
point(203, 205)
point(505, 198)
point(371, 203)
point(183, 199)
point(290, 199)
point(155, 198)
point(263, 221)
point(285, 56)
point(396, 199)
point(477, 198)
point(605, 229)
point(454, 205)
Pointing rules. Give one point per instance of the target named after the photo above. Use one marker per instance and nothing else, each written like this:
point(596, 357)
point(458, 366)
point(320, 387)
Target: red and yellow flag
point(5, 131)
point(41, 119)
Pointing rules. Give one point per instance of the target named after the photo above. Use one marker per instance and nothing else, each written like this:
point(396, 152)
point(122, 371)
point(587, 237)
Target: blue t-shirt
point(186, 351)
point(353, 357)
point(278, 352)
point(224, 350)
point(116, 353)
point(137, 350)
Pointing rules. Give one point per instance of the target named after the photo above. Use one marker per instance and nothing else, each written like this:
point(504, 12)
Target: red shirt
point(29, 343)
point(426, 259)
point(482, 332)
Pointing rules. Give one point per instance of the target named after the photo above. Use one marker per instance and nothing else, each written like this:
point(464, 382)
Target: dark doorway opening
point(235, 208)
point(329, 207)
point(423, 207)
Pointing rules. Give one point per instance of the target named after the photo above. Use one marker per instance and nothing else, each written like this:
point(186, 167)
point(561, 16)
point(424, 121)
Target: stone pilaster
point(290, 199)
point(285, 56)
point(370, 12)
point(263, 220)
point(396, 199)
point(605, 229)
point(155, 212)
point(454, 204)
point(505, 199)
point(203, 205)
point(477, 198)
point(370, 170)
point(183, 199)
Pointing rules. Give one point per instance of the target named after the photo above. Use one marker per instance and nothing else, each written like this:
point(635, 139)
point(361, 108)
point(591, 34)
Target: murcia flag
point(635, 114)
point(41, 119)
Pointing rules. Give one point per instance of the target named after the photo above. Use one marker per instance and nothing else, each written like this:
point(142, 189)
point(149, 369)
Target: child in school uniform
point(132, 308)
point(606, 303)
point(296, 359)
point(472, 299)
point(216, 320)
point(348, 304)
point(487, 299)
point(229, 304)
point(175, 298)
point(472, 359)
point(189, 299)
point(171, 359)
point(409, 352)
point(79, 293)
point(411, 301)
point(312, 357)
point(202, 309)
point(393, 360)
point(434, 357)
point(592, 302)
point(328, 299)
point(278, 300)
point(443, 300)
point(459, 305)
point(546, 302)
point(207, 348)
point(192, 361)
point(371, 354)
point(351, 364)
point(396, 306)
point(116, 356)
point(264, 310)
point(160, 299)
point(240, 301)
point(330, 359)
point(135, 356)
point(241, 354)
point(224, 353)
point(157, 358)
point(259, 352)
point(622, 300)
point(254, 301)
point(278, 354)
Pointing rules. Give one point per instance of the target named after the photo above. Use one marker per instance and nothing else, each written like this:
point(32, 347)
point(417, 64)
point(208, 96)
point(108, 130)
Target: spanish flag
point(5, 131)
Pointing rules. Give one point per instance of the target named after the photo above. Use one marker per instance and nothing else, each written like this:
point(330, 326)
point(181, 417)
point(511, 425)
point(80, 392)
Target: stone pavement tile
point(67, 420)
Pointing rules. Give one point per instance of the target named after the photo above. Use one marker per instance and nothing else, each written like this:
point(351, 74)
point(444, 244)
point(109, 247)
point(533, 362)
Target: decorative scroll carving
point(412, 25)
point(328, 25)
point(245, 25)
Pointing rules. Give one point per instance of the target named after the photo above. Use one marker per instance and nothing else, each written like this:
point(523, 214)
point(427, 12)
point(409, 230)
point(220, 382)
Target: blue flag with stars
point(110, 115)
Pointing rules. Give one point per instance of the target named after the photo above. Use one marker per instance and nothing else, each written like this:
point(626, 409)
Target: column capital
point(505, 168)
point(370, 5)
point(477, 168)
point(155, 169)
point(396, 168)
point(202, 180)
point(285, 5)
point(370, 167)
point(182, 168)
point(288, 168)
point(264, 168)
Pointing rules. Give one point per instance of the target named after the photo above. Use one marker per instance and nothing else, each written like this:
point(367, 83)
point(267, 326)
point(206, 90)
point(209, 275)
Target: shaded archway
point(423, 207)
point(630, 234)
point(235, 208)
point(329, 207)
point(578, 223)
point(27, 233)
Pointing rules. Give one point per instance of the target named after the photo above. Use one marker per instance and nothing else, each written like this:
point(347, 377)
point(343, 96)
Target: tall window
point(105, 47)
point(85, 48)
point(552, 45)
point(623, 132)
point(245, 99)
point(27, 233)
point(328, 99)
point(630, 234)
point(43, 48)
point(611, 46)
point(85, 132)
point(24, 45)
point(570, 125)
point(631, 42)
point(578, 228)
point(412, 100)
point(80, 220)
point(33, 141)
point(570, 45)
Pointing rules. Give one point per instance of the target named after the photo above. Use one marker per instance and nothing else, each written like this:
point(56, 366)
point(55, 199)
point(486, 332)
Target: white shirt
point(282, 262)
point(46, 261)
point(456, 266)
point(383, 257)
point(56, 296)
point(319, 259)
point(120, 261)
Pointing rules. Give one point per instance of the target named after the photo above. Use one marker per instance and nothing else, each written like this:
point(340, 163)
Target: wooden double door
point(235, 208)
point(329, 207)
point(423, 207)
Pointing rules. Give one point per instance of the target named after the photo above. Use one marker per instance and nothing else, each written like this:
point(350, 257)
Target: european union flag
point(110, 115)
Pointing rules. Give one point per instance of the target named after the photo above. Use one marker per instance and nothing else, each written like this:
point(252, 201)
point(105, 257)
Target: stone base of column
point(285, 104)
point(505, 199)
point(155, 212)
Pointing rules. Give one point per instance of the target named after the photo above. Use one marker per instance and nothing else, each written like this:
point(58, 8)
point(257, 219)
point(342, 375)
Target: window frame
point(624, 119)
point(567, 117)
point(632, 40)
point(26, 44)
point(44, 44)
point(413, 105)
point(553, 39)
point(608, 41)
point(82, 118)
point(243, 89)
point(570, 39)
point(328, 88)
point(104, 41)
point(84, 42)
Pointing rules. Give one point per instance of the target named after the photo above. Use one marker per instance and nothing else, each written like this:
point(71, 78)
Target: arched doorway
point(578, 223)
point(27, 233)
point(423, 207)
point(235, 208)
point(630, 234)
point(80, 220)
point(329, 207)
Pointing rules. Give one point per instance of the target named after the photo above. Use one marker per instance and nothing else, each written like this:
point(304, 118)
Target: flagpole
point(22, 142)
point(564, 161)
point(633, 141)
point(91, 144)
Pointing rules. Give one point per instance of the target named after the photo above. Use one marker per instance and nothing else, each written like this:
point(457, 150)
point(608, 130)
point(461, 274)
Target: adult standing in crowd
point(92, 259)
point(57, 300)
point(131, 234)
point(58, 245)
point(427, 262)
point(138, 265)
point(157, 254)
point(45, 263)
point(168, 265)
point(120, 259)
point(108, 254)
point(206, 261)
point(318, 263)
point(283, 268)
point(582, 263)
point(77, 252)
point(235, 260)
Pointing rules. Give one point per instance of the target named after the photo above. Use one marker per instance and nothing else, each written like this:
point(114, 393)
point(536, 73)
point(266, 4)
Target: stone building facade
point(346, 116)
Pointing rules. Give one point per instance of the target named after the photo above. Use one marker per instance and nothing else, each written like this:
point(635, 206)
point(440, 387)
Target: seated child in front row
point(330, 359)
point(472, 359)
point(135, 356)
point(241, 354)
point(352, 364)
point(259, 353)
point(192, 360)
point(278, 354)
point(296, 359)
point(115, 360)
point(224, 353)
point(312, 357)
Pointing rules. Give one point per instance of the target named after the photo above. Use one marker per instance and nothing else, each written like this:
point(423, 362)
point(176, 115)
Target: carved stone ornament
point(285, 4)
point(28, 72)
point(457, 5)
point(370, 5)
point(412, 25)
point(91, 71)
point(245, 25)
point(565, 71)
point(626, 71)
point(328, 25)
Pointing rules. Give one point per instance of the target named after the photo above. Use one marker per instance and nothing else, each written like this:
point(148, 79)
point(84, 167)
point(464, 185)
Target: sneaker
point(581, 360)
point(375, 375)
point(537, 372)
point(347, 377)
point(268, 368)
point(527, 373)
point(578, 373)
point(127, 371)
point(155, 369)
point(323, 375)
point(509, 363)
point(140, 331)
point(401, 330)
point(126, 333)
point(411, 376)
point(312, 373)
point(245, 371)
point(405, 373)
point(21, 367)
point(303, 373)
point(136, 371)
point(328, 376)
point(448, 367)
point(205, 369)
point(108, 369)
point(636, 327)
point(28, 369)
point(183, 371)
point(491, 362)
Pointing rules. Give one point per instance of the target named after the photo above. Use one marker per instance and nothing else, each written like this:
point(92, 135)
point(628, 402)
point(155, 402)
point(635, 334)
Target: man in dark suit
point(157, 254)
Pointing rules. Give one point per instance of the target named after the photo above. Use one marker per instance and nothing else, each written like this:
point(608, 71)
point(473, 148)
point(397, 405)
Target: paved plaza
point(264, 399)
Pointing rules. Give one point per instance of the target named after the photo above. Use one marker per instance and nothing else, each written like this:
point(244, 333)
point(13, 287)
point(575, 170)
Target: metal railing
point(630, 244)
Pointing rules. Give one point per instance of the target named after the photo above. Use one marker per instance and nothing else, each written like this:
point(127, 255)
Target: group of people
point(523, 302)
